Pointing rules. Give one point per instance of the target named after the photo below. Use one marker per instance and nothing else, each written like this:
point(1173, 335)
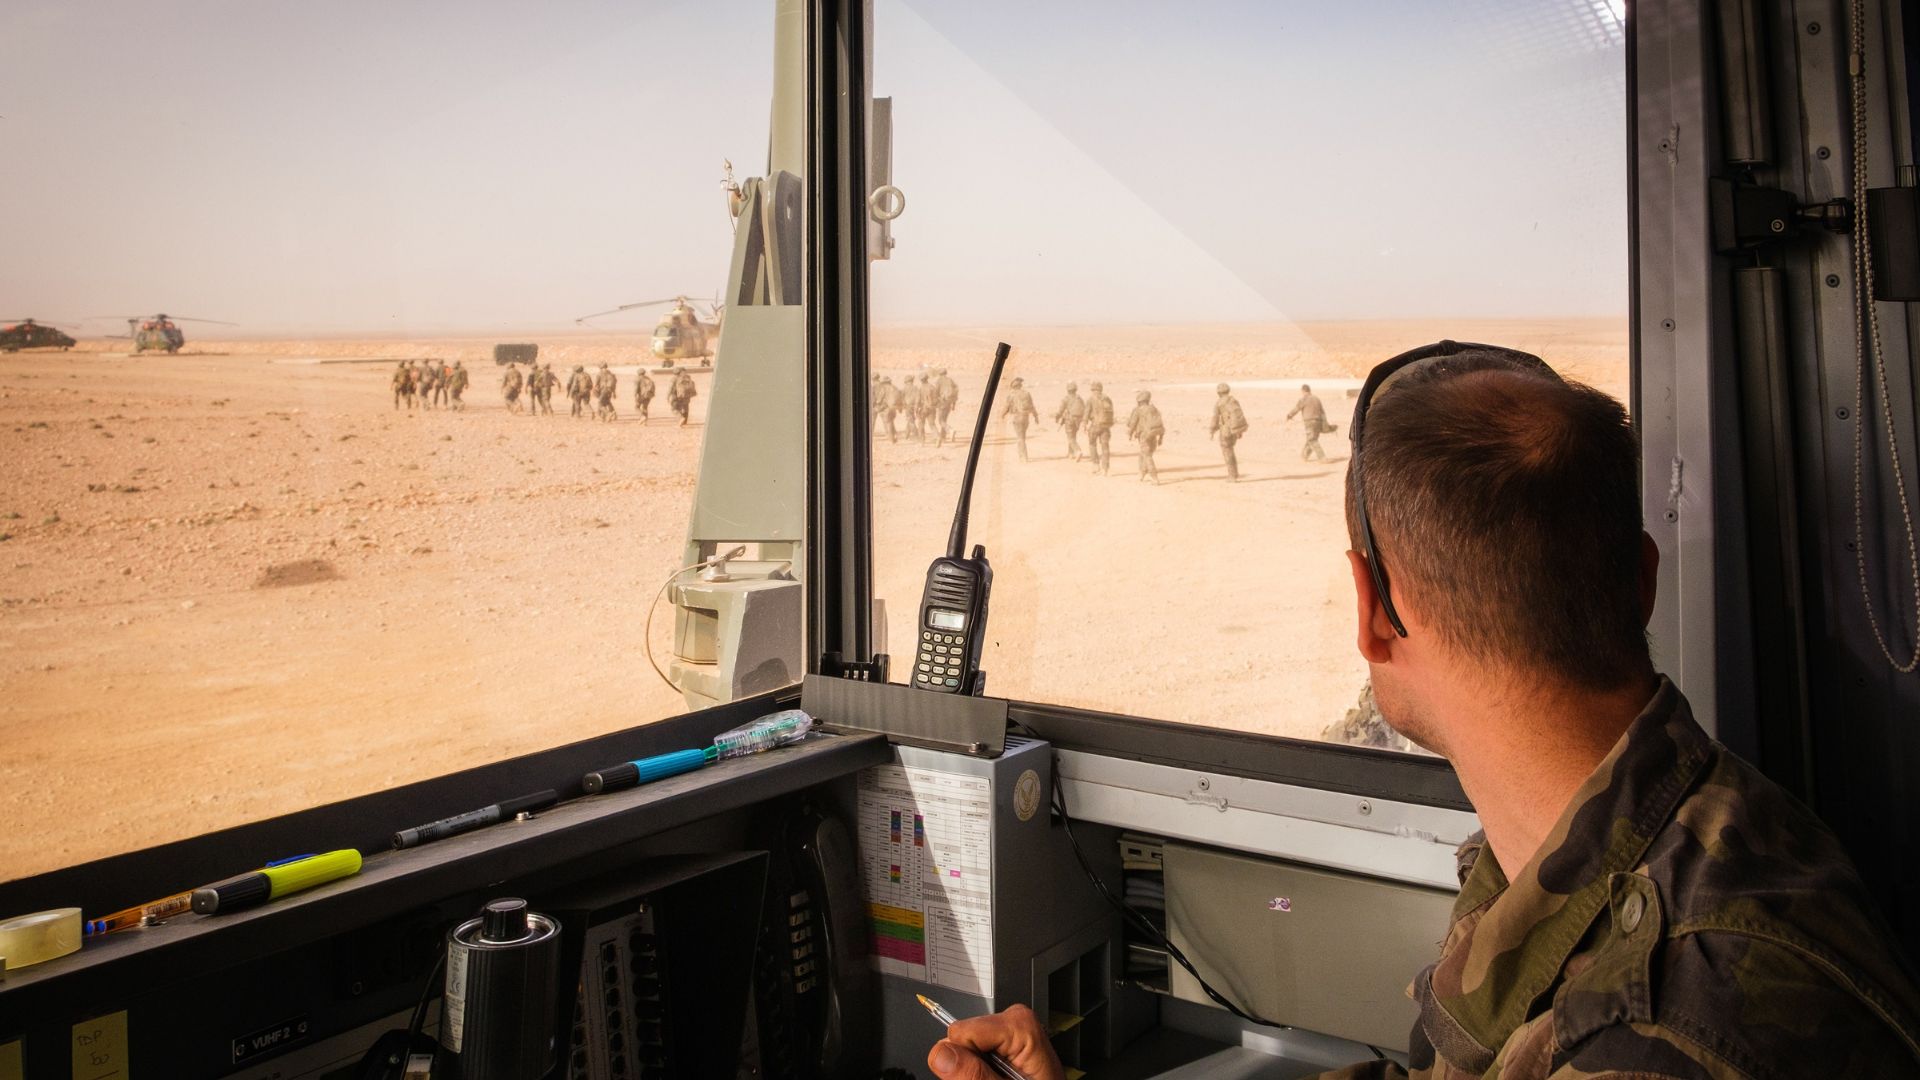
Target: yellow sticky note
point(100, 1048)
point(11, 1067)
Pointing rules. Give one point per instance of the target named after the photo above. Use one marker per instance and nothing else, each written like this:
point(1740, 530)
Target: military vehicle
point(161, 332)
point(515, 353)
point(28, 334)
point(681, 333)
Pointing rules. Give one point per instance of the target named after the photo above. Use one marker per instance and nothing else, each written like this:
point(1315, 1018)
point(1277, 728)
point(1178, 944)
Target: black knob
point(504, 920)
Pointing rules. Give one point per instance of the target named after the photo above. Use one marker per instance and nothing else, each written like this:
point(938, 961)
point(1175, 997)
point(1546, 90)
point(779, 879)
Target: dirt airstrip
point(238, 583)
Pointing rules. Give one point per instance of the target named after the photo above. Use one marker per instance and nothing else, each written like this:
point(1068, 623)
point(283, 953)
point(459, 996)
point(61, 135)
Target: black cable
point(1145, 925)
point(419, 1020)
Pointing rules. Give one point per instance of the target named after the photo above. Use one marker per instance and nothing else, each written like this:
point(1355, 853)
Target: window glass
point(325, 528)
point(1153, 200)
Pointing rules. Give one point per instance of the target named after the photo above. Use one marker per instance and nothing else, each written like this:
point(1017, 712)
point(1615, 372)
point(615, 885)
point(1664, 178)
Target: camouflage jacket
point(1145, 423)
point(1228, 417)
point(1072, 410)
point(1685, 918)
point(1020, 407)
point(1099, 412)
point(1311, 413)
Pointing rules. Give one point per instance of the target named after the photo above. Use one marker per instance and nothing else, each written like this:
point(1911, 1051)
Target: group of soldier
point(925, 401)
point(1095, 416)
point(433, 382)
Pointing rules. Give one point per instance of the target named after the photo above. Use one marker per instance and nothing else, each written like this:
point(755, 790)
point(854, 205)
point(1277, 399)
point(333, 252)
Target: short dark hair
point(1507, 502)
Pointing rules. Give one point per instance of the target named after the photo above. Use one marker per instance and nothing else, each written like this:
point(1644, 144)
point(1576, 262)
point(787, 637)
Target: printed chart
point(926, 849)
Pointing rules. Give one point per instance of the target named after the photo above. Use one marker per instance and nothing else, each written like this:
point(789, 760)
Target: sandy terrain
point(238, 583)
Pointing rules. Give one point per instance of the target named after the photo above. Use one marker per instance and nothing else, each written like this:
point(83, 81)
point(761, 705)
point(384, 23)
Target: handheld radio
point(953, 609)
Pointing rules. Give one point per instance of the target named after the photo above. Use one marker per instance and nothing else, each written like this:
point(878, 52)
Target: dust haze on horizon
point(372, 170)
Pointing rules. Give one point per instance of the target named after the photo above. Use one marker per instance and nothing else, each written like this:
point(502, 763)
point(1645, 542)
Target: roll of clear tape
point(43, 935)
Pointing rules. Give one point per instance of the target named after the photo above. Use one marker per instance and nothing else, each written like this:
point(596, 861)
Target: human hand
point(1015, 1035)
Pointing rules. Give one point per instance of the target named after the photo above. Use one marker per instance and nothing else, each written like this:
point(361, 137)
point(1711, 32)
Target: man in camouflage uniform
point(1314, 416)
point(605, 385)
point(429, 382)
point(946, 395)
point(643, 389)
point(510, 387)
point(1641, 904)
point(1019, 408)
point(1145, 426)
point(681, 394)
point(403, 384)
point(927, 406)
point(883, 403)
point(912, 396)
point(549, 382)
point(1072, 410)
point(579, 388)
point(1228, 424)
point(1100, 428)
point(457, 385)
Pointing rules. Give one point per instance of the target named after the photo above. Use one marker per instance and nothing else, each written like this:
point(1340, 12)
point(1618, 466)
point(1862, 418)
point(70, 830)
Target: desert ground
point(239, 582)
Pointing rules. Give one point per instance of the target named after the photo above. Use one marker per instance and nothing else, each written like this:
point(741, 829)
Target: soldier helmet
point(1017, 380)
point(1142, 396)
point(603, 365)
point(1223, 388)
point(459, 363)
point(1093, 386)
point(1071, 387)
point(1305, 389)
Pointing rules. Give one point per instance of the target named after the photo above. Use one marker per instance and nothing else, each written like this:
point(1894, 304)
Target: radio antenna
point(957, 541)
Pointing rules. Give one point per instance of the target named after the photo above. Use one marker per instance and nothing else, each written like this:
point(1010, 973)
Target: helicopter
point(160, 331)
point(27, 334)
point(681, 333)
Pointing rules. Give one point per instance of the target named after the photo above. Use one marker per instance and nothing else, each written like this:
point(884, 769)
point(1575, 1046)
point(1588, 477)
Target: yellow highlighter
point(275, 882)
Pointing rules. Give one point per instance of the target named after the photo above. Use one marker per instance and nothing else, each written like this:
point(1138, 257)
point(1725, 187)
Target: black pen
point(474, 819)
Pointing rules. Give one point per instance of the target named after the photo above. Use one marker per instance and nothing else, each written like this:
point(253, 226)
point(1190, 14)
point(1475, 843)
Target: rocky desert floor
point(237, 582)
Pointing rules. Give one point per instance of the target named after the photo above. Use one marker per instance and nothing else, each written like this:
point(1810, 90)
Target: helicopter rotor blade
point(628, 307)
point(189, 318)
point(43, 322)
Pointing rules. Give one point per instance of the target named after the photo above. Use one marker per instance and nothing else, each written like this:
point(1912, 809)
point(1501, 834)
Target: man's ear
point(1649, 577)
point(1375, 630)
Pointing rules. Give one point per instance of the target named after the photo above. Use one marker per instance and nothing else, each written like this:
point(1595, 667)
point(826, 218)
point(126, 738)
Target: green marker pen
point(275, 882)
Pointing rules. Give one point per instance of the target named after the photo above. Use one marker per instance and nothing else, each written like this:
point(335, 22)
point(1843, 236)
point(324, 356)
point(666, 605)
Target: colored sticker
point(100, 1048)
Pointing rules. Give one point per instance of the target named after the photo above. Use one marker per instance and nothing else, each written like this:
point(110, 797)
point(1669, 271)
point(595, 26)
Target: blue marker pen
point(646, 770)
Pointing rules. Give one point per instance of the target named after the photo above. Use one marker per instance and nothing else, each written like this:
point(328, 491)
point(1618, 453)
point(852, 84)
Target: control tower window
point(1269, 196)
point(335, 522)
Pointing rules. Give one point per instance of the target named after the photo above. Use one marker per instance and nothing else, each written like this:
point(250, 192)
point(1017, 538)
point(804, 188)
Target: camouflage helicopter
point(159, 331)
point(681, 334)
point(27, 334)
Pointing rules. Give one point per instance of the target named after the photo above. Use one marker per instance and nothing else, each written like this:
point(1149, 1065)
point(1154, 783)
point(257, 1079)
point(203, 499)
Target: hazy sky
point(431, 165)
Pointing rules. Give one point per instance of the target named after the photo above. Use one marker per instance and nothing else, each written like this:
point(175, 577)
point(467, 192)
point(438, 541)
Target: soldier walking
point(912, 396)
point(1229, 423)
point(1100, 428)
point(946, 395)
point(403, 385)
point(643, 389)
point(883, 406)
point(1145, 426)
point(1072, 410)
point(457, 385)
point(1020, 408)
point(605, 385)
point(510, 388)
point(924, 412)
point(577, 391)
point(442, 383)
point(681, 395)
point(1314, 416)
point(549, 382)
point(427, 375)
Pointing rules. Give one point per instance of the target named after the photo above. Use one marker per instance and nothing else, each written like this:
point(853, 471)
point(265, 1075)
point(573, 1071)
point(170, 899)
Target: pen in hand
point(1000, 1065)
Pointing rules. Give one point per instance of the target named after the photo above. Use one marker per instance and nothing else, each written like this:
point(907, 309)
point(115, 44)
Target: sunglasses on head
point(1383, 375)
